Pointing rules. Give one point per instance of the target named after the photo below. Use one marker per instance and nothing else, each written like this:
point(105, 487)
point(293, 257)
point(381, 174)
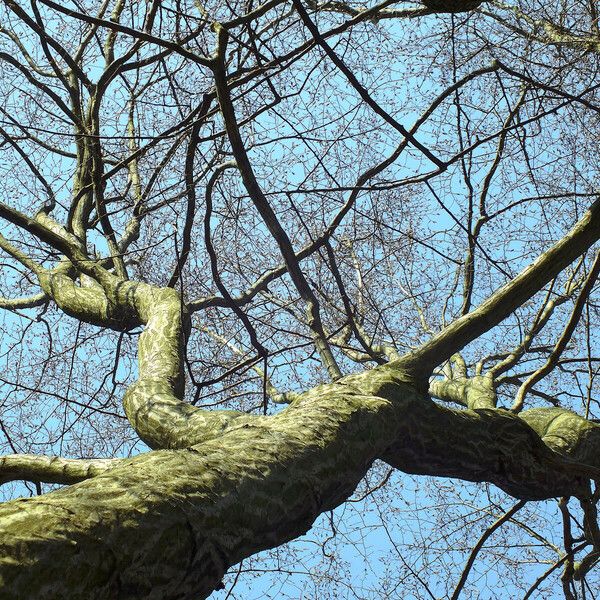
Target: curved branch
point(477, 392)
point(90, 304)
point(154, 404)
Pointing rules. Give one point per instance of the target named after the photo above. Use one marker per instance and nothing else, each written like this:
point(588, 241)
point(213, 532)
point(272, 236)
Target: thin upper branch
point(508, 298)
point(266, 211)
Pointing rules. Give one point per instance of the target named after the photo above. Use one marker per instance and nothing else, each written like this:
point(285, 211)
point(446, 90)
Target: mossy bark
point(169, 523)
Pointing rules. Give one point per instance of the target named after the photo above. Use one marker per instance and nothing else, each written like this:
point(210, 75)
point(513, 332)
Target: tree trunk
point(169, 523)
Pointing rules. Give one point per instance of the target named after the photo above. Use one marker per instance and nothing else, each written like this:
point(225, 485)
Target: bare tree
point(259, 258)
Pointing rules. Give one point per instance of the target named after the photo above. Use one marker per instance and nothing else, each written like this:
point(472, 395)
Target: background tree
point(255, 256)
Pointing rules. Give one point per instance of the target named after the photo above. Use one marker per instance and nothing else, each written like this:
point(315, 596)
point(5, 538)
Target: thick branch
point(258, 484)
point(477, 392)
point(154, 403)
point(197, 511)
point(89, 304)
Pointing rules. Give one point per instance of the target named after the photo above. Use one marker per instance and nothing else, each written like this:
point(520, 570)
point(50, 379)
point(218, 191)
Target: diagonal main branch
point(260, 484)
point(508, 298)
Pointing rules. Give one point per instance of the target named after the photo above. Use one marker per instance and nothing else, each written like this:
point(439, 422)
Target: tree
point(278, 243)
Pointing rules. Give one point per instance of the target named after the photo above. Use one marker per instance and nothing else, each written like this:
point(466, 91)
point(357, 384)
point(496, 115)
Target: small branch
point(486, 534)
point(275, 395)
point(592, 534)
point(20, 256)
point(134, 33)
point(554, 357)
point(477, 392)
point(190, 189)
point(474, 234)
point(567, 576)
point(552, 34)
point(262, 351)
point(517, 380)
point(374, 14)
point(57, 240)
point(52, 469)
point(358, 331)
point(551, 570)
point(540, 321)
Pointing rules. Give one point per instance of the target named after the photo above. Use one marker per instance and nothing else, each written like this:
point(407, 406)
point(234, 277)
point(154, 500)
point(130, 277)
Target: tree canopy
point(261, 260)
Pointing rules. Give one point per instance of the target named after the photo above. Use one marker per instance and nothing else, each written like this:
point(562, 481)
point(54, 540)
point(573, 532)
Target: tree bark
point(197, 511)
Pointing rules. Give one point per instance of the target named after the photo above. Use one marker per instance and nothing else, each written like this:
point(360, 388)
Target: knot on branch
point(475, 392)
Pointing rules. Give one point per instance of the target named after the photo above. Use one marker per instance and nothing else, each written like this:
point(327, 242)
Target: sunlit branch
point(544, 314)
point(20, 256)
point(476, 392)
point(52, 469)
point(375, 13)
point(26, 302)
point(551, 33)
